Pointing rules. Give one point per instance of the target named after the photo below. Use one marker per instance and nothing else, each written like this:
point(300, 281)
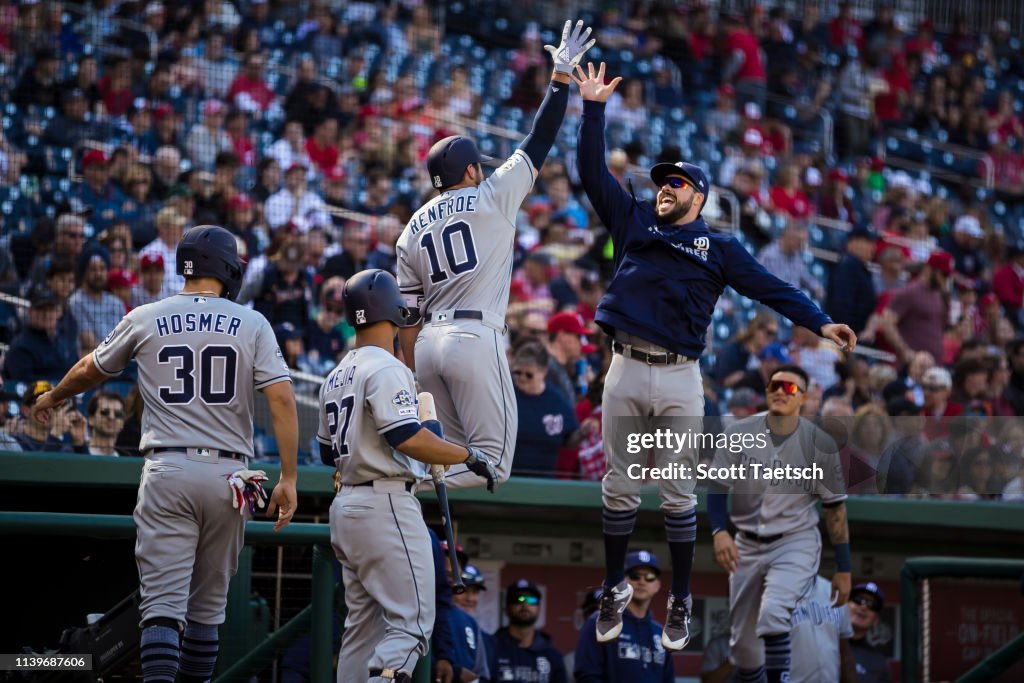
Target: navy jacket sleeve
point(669, 670)
point(612, 203)
point(443, 643)
point(590, 665)
point(748, 277)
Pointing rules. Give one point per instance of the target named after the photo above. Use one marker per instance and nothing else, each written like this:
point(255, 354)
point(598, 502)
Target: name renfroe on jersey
point(441, 209)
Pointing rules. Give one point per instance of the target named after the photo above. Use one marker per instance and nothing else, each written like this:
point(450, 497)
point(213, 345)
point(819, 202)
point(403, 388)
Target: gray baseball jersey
point(370, 393)
point(456, 251)
point(200, 360)
point(456, 255)
point(377, 530)
point(817, 629)
point(767, 507)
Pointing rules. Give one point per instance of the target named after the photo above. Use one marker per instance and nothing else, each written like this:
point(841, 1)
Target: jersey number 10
point(439, 274)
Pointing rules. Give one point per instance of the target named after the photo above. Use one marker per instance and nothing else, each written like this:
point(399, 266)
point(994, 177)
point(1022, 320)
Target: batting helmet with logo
point(448, 158)
point(211, 251)
point(372, 296)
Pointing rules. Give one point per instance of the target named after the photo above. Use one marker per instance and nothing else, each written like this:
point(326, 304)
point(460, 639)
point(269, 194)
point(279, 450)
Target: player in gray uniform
point(200, 357)
point(455, 269)
point(370, 429)
point(775, 557)
point(821, 638)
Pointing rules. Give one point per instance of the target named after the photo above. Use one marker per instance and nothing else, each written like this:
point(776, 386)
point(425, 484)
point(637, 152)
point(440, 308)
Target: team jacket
point(539, 663)
point(636, 656)
point(668, 278)
point(469, 648)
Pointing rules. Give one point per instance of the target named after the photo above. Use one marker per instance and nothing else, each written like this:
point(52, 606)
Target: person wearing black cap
point(521, 651)
point(670, 271)
point(639, 656)
point(851, 289)
point(454, 268)
point(866, 603)
point(39, 84)
point(34, 352)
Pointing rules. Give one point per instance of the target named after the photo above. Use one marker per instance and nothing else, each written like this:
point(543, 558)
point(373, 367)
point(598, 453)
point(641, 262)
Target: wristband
point(844, 562)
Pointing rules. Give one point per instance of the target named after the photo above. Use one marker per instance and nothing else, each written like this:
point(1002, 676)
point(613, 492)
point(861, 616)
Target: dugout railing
point(916, 604)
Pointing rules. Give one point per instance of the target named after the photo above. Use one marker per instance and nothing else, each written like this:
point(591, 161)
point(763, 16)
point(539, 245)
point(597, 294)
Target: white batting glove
point(569, 53)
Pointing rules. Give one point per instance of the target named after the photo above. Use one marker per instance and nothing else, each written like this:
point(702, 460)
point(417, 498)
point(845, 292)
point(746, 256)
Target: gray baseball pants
point(189, 536)
point(381, 540)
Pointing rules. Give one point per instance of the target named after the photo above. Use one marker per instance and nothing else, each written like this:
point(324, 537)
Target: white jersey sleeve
point(508, 186)
point(409, 281)
point(269, 366)
point(391, 397)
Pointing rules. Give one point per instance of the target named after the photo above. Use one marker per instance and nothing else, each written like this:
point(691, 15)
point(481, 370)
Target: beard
point(675, 213)
point(517, 619)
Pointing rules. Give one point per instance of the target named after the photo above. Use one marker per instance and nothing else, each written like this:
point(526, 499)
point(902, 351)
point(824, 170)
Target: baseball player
point(670, 270)
point(200, 357)
point(455, 267)
point(821, 638)
point(370, 430)
point(775, 556)
point(637, 655)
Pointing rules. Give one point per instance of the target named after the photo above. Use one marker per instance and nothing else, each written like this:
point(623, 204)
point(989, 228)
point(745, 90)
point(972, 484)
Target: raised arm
point(610, 200)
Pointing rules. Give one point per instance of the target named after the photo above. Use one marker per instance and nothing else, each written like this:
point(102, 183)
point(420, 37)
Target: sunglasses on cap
point(647, 576)
point(527, 600)
point(788, 388)
point(676, 182)
point(866, 601)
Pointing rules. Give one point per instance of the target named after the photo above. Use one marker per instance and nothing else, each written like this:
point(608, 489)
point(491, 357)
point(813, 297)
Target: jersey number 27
point(462, 230)
point(338, 416)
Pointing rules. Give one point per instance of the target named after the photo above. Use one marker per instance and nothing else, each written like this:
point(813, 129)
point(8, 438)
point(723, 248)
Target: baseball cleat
point(676, 634)
point(613, 603)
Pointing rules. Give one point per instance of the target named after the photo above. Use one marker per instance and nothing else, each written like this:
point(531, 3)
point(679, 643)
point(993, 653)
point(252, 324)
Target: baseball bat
point(428, 418)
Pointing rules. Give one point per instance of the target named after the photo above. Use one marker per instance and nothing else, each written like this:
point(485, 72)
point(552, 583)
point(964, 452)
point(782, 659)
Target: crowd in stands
point(302, 128)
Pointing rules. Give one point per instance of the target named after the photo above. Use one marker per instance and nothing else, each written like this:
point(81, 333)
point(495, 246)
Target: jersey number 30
point(218, 368)
point(455, 266)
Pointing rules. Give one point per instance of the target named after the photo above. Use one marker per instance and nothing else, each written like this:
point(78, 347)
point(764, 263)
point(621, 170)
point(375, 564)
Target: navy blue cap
point(591, 600)
point(690, 171)
point(864, 231)
point(521, 587)
point(448, 158)
point(642, 558)
point(472, 577)
point(871, 588)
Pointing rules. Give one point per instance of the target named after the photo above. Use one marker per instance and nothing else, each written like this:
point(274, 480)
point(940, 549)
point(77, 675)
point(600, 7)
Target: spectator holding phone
point(47, 436)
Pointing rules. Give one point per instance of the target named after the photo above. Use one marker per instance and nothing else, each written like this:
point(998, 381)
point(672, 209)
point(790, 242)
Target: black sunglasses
point(865, 601)
point(647, 576)
point(110, 412)
point(677, 182)
point(523, 373)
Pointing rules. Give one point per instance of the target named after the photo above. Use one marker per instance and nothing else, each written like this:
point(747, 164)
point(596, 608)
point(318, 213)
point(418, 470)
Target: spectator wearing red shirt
point(889, 105)
point(1007, 165)
point(923, 44)
point(744, 62)
point(787, 197)
point(1004, 118)
point(1008, 281)
point(249, 92)
point(241, 143)
point(322, 146)
point(834, 202)
point(116, 88)
point(844, 31)
point(917, 313)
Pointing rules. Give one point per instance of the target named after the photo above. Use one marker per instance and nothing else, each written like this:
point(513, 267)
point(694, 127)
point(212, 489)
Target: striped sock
point(198, 652)
point(618, 526)
point(159, 654)
point(752, 675)
point(776, 657)
point(681, 534)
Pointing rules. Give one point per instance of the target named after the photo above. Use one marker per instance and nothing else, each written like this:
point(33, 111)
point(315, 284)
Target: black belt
point(471, 315)
point(761, 539)
point(668, 358)
point(408, 484)
point(213, 451)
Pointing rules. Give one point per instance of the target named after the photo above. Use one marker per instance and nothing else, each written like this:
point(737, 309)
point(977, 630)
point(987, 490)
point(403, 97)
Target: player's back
point(200, 360)
point(457, 249)
point(369, 393)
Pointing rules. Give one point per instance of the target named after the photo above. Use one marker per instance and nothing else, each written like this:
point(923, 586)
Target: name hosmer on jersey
point(182, 323)
point(440, 210)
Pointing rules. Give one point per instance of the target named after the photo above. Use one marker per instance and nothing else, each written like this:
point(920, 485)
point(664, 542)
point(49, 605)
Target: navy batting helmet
point(448, 158)
point(211, 251)
point(372, 296)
